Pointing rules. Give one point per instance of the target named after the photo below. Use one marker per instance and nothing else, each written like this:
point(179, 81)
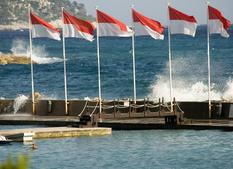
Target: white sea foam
point(87, 98)
point(19, 102)
point(185, 92)
point(51, 97)
point(228, 91)
point(189, 83)
point(39, 54)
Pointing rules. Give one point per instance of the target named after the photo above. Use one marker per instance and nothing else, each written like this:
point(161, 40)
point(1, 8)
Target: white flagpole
point(30, 48)
point(64, 59)
point(208, 54)
point(98, 60)
point(134, 65)
point(170, 59)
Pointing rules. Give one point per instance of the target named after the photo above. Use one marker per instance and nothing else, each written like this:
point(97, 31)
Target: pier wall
point(200, 110)
point(194, 110)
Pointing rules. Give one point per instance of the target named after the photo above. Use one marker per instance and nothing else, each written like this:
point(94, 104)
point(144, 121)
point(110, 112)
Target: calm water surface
point(131, 149)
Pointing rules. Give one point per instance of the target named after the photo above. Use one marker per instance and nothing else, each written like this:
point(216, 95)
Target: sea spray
point(39, 55)
point(49, 97)
point(193, 92)
point(19, 102)
point(19, 48)
point(189, 82)
point(228, 92)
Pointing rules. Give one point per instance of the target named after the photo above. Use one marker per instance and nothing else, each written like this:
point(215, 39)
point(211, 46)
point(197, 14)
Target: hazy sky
point(157, 9)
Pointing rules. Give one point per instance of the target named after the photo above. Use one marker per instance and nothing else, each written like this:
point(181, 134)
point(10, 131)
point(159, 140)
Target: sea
point(144, 149)
point(189, 67)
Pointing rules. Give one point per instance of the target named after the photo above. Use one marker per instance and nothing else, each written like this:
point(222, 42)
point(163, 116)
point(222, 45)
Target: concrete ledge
point(59, 132)
point(40, 120)
point(158, 123)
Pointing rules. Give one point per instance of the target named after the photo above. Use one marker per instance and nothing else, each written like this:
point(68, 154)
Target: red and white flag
point(217, 22)
point(181, 23)
point(41, 28)
point(109, 26)
point(74, 27)
point(147, 26)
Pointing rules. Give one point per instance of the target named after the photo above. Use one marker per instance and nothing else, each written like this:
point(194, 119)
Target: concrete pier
point(53, 121)
point(159, 123)
point(59, 132)
point(121, 114)
point(193, 110)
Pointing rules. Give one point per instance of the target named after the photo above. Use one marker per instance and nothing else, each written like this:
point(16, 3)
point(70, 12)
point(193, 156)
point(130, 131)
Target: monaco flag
point(147, 26)
point(74, 27)
point(181, 23)
point(217, 22)
point(41, 29)
point(109, 26)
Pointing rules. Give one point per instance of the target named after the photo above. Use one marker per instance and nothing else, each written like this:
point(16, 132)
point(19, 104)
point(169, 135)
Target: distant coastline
point(24, 25)
point(13, 27)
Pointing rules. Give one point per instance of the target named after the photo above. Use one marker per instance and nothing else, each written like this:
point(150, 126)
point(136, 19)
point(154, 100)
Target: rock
point(3, 62)
point(12, 59)
point(37, 96)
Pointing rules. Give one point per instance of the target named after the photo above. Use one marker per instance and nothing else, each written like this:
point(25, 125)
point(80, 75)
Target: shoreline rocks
point(12, 59)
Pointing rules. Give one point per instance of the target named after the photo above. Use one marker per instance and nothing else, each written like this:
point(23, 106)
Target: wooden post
point(159, 107)
point(174, 105)
point(100, 109)
point(162, 108)
point(67, 108)
point(144, 107)
point(129, 108)
point(118, 105)
point(114, 109)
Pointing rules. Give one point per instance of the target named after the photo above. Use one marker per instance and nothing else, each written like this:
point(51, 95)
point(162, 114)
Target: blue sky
point(157, 9)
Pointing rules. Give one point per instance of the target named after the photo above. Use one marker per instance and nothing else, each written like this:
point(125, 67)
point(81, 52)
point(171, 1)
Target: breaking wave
point(39, 55)
point(189, 86)
point(19, 102)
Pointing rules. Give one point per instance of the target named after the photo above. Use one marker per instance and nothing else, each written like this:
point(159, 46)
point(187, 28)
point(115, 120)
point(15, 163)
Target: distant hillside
point(15, 12)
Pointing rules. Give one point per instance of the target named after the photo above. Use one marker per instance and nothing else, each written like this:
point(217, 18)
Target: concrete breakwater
point(120, 108)
point(58, 132)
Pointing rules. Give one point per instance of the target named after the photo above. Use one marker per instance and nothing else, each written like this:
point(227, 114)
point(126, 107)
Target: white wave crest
point(185, 92)
point(19, 102)
point(39, 54)
point(189, 83)
point(228, 93)
point(51, 97)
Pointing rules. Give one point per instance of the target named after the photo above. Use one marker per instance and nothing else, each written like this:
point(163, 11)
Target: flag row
point(179, 23)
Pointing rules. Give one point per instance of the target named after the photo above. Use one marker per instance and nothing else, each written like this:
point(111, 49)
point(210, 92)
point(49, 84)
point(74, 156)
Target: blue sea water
point(189, 64)
point(167, 149)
